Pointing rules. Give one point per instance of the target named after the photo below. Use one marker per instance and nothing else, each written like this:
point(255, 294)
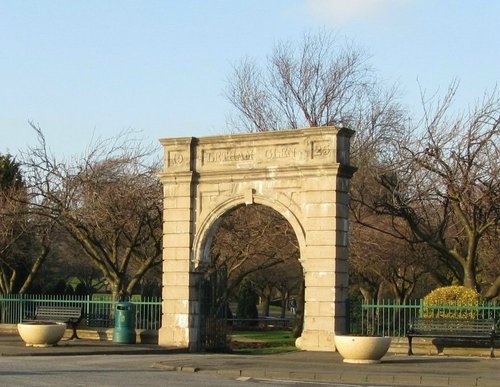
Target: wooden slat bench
point(451, 328)
point(71, 315)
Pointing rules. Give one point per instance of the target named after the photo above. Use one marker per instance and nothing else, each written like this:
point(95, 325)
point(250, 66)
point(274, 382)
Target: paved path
point(328, 367)
point(319, 367)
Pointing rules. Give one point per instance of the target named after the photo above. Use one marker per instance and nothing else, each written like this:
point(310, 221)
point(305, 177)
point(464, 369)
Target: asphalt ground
point(315, 367)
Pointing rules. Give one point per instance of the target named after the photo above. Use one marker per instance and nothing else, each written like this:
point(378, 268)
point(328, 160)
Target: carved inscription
point(289, 151)
point(281, 152)
point(225, 156)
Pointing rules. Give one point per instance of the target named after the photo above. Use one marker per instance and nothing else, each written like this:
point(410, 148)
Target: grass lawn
point(262, 342)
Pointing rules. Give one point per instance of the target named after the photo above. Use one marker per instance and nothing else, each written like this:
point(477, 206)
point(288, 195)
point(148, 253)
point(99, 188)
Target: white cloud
point(343, 11)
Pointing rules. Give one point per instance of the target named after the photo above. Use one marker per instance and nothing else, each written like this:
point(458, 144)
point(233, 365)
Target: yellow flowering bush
point(451, 301)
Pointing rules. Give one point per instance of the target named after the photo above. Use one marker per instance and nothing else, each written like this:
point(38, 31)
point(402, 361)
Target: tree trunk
point(470, 275)
point(284, 302)
point(34, 269)
point(368, 294)
point(299, 316)
point(117, 290)
point(265, 305)
point(494, 290)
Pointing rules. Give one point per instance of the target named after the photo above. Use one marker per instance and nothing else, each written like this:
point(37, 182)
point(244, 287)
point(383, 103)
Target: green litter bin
point(124, 331)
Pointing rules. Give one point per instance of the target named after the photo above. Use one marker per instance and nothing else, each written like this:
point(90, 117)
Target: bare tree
point(250, 239)
point(313, 83)
point(280, 281)
point(382, 267)
point(440, 177)
point(384, 253)
point(321, 80)
point(71, 262)
point(109, 201)
point(25, 239)
point(257, 243)
point(490, 264)
point(445, 183)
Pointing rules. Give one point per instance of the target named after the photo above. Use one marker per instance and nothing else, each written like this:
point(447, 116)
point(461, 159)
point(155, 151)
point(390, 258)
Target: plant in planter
point(41, 333)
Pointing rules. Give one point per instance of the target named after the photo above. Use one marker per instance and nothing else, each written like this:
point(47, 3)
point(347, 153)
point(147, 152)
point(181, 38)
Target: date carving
point(321, 150)
point(175, 158)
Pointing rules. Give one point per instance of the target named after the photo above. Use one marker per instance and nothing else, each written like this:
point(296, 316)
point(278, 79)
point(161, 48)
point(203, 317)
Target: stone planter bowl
point(41, 333)
point(362, 349)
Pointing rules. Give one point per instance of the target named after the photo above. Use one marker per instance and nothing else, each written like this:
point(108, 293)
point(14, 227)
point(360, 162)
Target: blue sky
point(83, 69)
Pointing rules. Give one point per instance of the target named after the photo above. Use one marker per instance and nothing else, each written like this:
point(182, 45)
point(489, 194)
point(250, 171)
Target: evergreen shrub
point(452, 302)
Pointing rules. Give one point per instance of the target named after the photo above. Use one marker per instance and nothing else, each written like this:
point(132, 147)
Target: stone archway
point(303, 174)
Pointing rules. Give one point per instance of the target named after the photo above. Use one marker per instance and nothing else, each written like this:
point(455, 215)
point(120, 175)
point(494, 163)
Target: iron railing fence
point(98, 309)
point(385, 318)
point(389, 318)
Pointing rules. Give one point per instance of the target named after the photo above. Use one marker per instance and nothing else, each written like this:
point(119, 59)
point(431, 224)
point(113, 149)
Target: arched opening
point(257, 250)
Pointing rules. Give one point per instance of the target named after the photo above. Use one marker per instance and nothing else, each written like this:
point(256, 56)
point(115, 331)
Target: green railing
point(98, 310)
point(388, 318)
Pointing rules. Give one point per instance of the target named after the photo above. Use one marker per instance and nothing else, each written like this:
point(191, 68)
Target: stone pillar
point(341, 254)
point(318, 260)
point(177, 328)
point(325, 257)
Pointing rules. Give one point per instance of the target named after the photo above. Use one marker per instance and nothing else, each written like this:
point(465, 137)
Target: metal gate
point(214, 308)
